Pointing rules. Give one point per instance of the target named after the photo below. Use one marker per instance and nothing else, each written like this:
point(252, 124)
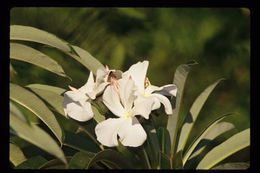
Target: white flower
point(147, 91)
point(120, 101)
point(76, 102)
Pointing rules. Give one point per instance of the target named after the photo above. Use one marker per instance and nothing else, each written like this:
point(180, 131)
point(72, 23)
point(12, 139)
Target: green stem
point(146, 158)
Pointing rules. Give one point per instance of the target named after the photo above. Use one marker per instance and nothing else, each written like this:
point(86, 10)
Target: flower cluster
point(125, 94)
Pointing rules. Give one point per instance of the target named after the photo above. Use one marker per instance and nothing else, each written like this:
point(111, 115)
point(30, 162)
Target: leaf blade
point(35, 105)
point(193, 114)
point(225, 149)
point(36, 136)
point(30, 55)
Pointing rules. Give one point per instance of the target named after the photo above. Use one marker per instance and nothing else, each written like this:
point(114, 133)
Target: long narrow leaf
point(80, 160)
point(16, 155)
point(27, 33)
point(32, 163)
point(36, 136)
point(180, 77)
point(193, 114)
point(212, 131)
point(27, 54)
point(225, 149)
point(114, 158)
point(34, 104)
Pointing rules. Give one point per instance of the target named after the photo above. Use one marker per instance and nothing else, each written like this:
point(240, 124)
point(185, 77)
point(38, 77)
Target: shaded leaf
point(32, 163)
point(225, 149)
point(81, 144)
point(34, 104)
point(212, 131)
point(177, 161)
point(80, 160)
point(36, 136)
point(193, 114)
point(112, 157)
point(16, 155)
point(233, 166)
point(164, 161)
point(27, 54)
point(55, 164)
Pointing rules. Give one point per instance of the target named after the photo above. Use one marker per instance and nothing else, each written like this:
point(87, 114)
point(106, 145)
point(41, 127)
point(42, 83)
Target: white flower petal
point(165, 101)
point(75, 95)
point(78, 110)
point(168, 90)
point(143, 106)
point(126, 89)
point(106, 131)
point(138, 73)
point(112, 101)
point(89, 86)
point(131, 133)
point(150, 89)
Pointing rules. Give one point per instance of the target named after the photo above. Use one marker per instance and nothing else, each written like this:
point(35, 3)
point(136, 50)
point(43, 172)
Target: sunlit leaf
point(32, 163)
point(80, 160)
point(114, 158)
point(54, 99)
point(180, 77)
point(193, 114)
point(27, 54)
point(212, 131)
point(27, 33)
point(86, 59)
point(54, 89)
point(36, 136)
point(34, 104)
point(225, 149)
point(16, 155)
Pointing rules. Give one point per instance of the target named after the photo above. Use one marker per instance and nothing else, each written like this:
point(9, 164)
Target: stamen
point(146, 82)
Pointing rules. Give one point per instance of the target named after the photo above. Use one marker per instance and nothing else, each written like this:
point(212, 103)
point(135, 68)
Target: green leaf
point(54, 99)
point(225, 149)
point(27, 33)
point(232, 166)
point(81, 144)
point(27, 54)
point(55, 164)
point(86, 59)
point(211, 132)
point(193, 114)
point(180, 77)
point(32, 163)
point(164, 161)
point(34, 104)
point(177, 161)
point(16, 155)
point(15, 111)
point(36, 136)
point(80, 160)
point(54, 89)
point(112, 157)
point(97, 115)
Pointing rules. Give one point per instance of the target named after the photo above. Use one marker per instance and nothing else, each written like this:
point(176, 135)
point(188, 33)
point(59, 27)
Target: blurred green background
point(217, 38)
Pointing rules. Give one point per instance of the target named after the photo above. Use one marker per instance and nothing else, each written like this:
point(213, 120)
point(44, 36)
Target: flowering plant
point(109, 122)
